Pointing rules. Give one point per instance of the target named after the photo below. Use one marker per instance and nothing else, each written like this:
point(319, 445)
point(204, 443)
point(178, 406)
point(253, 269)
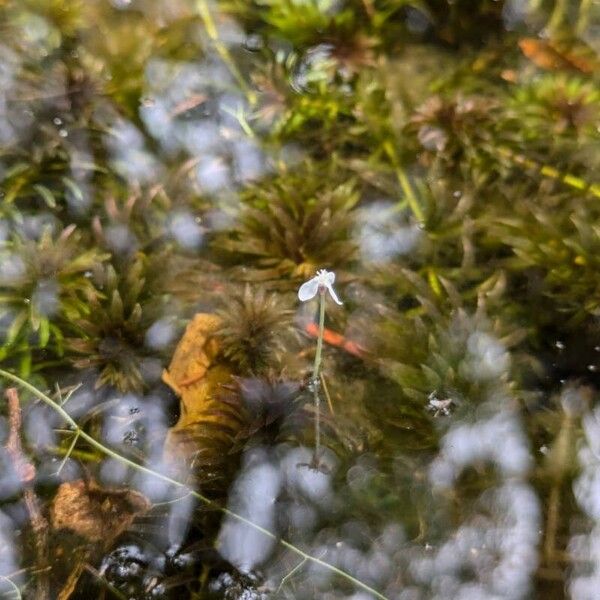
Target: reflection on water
point(165, 160)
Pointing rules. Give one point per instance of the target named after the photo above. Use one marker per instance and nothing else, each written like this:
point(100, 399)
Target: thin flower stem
point(178, 484)
point(315, 375)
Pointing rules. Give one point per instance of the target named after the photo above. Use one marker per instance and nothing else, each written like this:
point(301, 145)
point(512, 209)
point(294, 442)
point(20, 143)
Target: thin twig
point(284, 579)
point(63, 462)
point(178, 484)
point(327, 395)
point(26, 472)
point(175, 500)
point(294, 570)
point(70, 392)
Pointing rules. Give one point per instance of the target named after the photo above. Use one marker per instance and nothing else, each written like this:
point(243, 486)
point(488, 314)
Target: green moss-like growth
point(111, 336)
point(292, 224)
point(255, 331)
point(45, 285)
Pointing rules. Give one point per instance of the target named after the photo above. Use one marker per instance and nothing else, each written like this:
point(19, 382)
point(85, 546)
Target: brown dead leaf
point(558, 54)
point(194, 353)
point(86, 519)
point(96, 514)
point(204, 434)
point(191, 373)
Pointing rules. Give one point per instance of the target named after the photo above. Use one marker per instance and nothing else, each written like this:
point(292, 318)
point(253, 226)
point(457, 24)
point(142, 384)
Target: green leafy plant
point(293, 222)
point(255, 330)
point(111, 336)
point(45, 285)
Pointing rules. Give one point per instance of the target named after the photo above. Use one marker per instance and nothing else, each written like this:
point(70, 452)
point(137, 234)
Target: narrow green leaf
point(15, 327)
point(44, 333)
point(46, 195)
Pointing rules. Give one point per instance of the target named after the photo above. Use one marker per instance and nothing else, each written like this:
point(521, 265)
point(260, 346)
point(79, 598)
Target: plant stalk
point(316, 381)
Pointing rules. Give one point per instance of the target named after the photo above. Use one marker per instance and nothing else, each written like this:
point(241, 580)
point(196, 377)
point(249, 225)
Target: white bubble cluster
point(499, 440)
point(487, 358)
point(585, 549)
point(384, 233)
point(253, 496)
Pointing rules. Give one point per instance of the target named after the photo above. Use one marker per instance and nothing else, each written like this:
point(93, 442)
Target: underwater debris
point(336, 339)
point(439, 406)
point(560, 53)
point(86, 519)
point(92, 512)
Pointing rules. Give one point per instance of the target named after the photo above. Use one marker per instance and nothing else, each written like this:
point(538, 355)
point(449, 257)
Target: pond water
point(177, 422)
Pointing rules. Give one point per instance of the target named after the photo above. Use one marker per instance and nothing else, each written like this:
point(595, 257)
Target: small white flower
point(321, 282)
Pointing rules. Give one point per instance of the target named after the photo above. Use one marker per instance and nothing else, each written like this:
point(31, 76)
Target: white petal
point(330, 277)
point(309, 289)
point(333, 295)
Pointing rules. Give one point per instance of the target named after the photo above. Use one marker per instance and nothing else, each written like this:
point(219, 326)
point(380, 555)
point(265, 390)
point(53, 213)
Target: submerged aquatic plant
point(303, 23)
point(294, 222)
point(44, 285)
point(253, 331)
point(556, 105)
point(320, 284)
point(183, 487)
point(112, 337)
point(453, 130)
point(497, 261)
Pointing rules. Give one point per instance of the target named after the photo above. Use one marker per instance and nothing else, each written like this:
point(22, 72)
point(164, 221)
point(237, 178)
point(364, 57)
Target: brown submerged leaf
point(200, 441)
point(559, 54)
point(86, 519)
point(96, 514)
point(193, 355)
